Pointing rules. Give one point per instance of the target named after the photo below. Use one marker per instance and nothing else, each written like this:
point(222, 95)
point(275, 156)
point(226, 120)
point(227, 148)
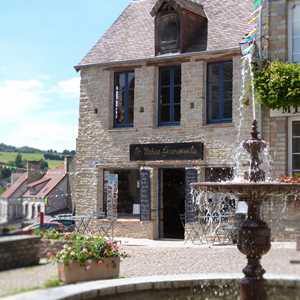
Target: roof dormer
point(180, 26)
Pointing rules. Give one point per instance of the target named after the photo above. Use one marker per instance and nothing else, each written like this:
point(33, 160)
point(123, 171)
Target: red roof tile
point(14, 187)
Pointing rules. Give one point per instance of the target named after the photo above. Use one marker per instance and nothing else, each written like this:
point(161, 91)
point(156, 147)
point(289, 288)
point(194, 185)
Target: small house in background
point(37, 190)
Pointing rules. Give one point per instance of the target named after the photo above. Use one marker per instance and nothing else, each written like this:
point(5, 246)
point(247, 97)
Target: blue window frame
point(124, 83)
point(219, 92)
point(169, 106)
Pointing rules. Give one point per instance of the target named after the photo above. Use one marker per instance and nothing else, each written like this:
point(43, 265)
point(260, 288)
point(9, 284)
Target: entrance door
point(173, 202)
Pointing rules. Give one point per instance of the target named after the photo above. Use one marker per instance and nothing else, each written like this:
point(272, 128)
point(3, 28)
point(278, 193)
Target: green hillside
point(6, 157)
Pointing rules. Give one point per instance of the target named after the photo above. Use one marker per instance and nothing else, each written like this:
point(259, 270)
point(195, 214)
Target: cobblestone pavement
point(161, 258)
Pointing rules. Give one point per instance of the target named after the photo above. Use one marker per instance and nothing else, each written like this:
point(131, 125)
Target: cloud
point(70, 87)
point(19, 97)
point(38, 113)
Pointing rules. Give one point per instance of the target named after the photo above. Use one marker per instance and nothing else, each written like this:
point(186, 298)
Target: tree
point(19, 161)
point(44, 165)
point(5, 173)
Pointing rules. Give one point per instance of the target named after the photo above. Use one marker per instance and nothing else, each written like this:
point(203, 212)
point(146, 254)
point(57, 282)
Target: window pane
point(228, 71)
point(131, 80)
point(296, 145)
point(177, 76)
point(165, 95)
point(124, 98)
point(296, 45)
point(165, 113)
point(228, 110)
point(170, 94)
point(214, 96)
point(296, 128)
point(219, 100)
point(165, 77)
point(177, 94)
point(296, 161)
point(177, 113)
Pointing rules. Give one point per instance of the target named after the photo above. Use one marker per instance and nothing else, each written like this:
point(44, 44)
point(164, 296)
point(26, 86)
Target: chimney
point(69, 168)
point(34, 171)
point(68, 163)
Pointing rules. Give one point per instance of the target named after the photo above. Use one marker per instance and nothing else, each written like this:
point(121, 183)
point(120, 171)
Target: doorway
point(172, 203)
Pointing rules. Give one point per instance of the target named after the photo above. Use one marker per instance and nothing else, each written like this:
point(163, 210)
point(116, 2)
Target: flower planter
point(109, 268)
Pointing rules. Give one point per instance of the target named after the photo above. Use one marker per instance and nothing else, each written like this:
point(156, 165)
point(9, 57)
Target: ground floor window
point(218, 174)
point(128, 195)
point(294, 151)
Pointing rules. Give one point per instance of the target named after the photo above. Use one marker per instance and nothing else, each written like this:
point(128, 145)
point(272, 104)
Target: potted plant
point(86, 258)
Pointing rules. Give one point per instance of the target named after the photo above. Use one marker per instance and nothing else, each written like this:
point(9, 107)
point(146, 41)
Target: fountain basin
point(245, 189)
point(178, 287)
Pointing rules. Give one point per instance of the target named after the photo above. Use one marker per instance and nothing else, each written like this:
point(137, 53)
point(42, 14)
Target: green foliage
point(19, 163)
point(54, 282)
point(5, 173)
point(9, 158)
point(2, 189)
point(83, 249)
point(277, 84)
point(44, 165)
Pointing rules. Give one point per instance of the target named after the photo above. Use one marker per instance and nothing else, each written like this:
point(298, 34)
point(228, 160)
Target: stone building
point(160, 107)
point(280, 40)
point(37, 190)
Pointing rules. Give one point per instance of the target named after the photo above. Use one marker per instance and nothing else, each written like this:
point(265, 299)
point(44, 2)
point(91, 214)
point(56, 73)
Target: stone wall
point(18, 251)
point(130, 228)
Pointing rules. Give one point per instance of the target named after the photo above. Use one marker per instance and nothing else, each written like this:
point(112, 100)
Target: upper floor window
point(169, 95)
point(219, 92)
point(294, 146)
point(124, 99)
point(294, 31)
point(168, 32)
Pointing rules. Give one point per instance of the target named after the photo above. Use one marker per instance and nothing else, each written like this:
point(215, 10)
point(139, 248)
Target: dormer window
point(180, 26)
point(168, 32)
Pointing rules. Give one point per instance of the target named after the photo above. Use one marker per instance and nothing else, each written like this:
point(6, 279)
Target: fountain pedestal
point(254, 241)
point(255, 236)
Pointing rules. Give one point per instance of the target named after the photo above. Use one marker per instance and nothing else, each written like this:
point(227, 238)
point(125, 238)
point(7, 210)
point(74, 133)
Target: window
point(128, 196)
point(169, 95)
point(219, 92)
point(294, 31)
point(294, 137)
point(168, 33)
point(124, 99)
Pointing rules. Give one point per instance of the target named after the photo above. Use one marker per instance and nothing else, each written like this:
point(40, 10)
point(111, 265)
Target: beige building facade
point(155, 151)
point(130, 96)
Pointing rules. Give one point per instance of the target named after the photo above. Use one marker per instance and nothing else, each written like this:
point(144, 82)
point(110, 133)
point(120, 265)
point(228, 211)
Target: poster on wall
point(112, 196)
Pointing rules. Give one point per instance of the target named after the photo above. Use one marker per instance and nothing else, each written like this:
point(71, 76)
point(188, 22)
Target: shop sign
point(175, 151)
point(286, 112)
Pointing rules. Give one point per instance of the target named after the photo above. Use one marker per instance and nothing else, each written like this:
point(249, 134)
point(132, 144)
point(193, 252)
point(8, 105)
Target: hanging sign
point(175, 151)
point(285, 112)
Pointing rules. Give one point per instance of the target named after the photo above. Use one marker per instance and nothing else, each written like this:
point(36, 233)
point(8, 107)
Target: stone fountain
point(254, 239)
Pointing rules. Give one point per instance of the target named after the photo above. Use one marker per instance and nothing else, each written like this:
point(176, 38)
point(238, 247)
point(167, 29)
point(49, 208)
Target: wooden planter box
point(74, 272)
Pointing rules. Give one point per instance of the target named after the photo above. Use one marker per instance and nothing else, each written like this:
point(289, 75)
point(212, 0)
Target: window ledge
point(122, 129)
point(218, 125)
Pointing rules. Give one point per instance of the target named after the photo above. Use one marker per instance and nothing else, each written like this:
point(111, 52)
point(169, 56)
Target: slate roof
point(131, 37)
point(190, 5)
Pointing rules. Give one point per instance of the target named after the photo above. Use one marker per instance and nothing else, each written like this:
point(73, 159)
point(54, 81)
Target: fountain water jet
point(254, 239)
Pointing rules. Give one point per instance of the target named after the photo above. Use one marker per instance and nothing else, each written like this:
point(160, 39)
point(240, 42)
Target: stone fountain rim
point(94, 289)
point(245, 184)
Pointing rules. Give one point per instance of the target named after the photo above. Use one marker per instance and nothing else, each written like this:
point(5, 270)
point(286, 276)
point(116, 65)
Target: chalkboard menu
point(145, 195)
point(174, 151)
